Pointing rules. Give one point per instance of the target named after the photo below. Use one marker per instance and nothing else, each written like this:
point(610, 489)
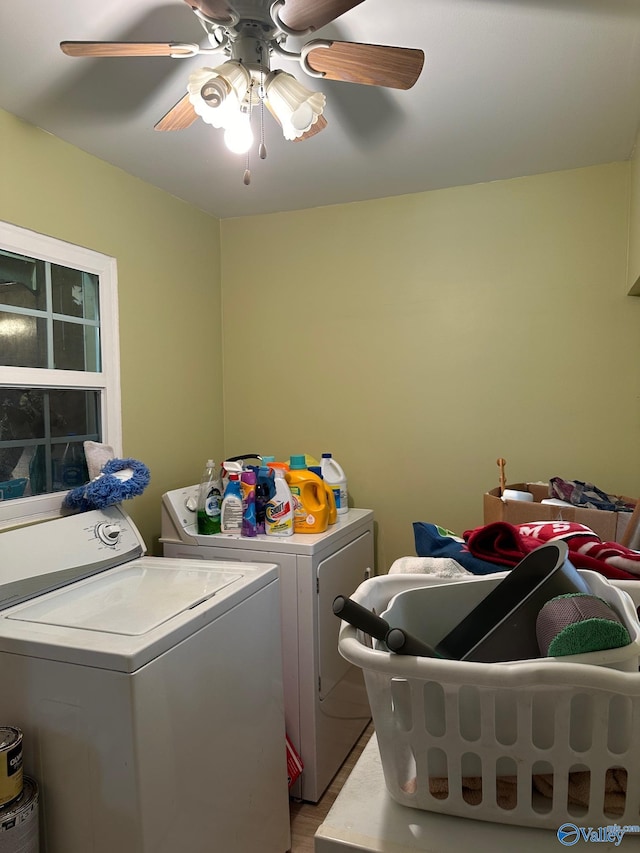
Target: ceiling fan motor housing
point(251, 46)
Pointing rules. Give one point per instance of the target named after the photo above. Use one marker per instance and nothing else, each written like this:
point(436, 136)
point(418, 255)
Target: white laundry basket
point(522, 743)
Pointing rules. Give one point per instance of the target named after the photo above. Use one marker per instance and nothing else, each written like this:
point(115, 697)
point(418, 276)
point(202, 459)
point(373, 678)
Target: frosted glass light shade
point(295, 106)
point(224, 86)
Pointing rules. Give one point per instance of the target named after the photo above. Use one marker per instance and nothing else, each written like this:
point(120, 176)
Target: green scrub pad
point(578, 623)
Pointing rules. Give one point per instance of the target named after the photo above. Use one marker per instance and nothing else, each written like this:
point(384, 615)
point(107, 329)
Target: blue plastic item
point(10, 489)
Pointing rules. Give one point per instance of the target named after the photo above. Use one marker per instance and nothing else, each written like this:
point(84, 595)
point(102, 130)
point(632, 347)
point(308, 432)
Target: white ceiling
point(509, 88)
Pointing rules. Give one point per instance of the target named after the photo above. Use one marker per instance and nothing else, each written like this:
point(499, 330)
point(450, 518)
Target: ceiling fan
point(247, 34)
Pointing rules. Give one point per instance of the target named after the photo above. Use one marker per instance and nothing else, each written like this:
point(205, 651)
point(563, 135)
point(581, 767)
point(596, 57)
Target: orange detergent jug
point(331, 498)
point(311, 505)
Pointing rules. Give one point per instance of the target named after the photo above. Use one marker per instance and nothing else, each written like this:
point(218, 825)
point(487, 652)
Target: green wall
point(421, 337)
point(418, 338)
point(168, 256)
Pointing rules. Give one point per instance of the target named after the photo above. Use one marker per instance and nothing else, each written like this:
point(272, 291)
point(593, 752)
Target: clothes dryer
point(326, 705)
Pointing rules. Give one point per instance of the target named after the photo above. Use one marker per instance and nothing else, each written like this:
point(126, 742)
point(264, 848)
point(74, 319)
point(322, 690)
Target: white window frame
point(31, 244)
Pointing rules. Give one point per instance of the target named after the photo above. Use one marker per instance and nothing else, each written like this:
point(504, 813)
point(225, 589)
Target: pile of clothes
point(500, 545)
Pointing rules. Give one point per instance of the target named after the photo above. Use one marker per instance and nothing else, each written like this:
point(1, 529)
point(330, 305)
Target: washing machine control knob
point(108, 533)
point(191, 504)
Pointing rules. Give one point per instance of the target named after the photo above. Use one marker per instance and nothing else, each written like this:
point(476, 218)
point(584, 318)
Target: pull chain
point(247, 173)
point(246, 179)
point(262, 150)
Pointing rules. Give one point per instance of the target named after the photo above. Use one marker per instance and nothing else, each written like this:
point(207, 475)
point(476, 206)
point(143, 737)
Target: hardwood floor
point(307, 817)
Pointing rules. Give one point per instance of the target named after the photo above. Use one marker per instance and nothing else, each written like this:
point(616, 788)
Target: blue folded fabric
point(434, 541)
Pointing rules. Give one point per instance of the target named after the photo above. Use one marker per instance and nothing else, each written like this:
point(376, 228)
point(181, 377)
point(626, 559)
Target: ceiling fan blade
point(305, 15)
point(320, 124)
point(217, 10)
point(371, 64)
point(180, 116)
point(123, 48)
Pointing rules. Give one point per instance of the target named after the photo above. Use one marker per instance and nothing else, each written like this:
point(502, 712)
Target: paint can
point(19, 831)
point(10, 764)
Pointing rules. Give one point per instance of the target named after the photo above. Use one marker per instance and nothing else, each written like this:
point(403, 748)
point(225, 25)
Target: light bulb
point(216, 93)
point(238, 137)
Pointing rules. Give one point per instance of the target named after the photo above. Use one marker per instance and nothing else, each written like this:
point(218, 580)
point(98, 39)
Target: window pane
point(74, 413)
point(41, 439)
point(31, 286)
point(22, 282)
point(69, 467)
point(22, 340)
point(21, 415)
point(16, 466)
point(54, 469)
point(76, 347)
point(74, 293)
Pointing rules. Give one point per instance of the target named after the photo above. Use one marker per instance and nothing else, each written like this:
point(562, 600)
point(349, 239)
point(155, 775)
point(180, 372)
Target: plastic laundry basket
point(523, 743)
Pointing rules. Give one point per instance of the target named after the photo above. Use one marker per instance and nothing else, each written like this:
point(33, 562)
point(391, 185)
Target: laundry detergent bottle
point(335, 477)
point(331, 498)
point(265, 488)
point(311, 507)
point(278, 517)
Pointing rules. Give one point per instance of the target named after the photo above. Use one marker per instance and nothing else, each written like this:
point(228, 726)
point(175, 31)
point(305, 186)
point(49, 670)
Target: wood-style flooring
point(307, 817)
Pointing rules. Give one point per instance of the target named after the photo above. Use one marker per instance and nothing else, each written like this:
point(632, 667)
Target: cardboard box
point(609, 526)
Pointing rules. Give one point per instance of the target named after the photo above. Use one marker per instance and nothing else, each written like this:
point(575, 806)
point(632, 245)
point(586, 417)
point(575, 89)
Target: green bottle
point(209, 500)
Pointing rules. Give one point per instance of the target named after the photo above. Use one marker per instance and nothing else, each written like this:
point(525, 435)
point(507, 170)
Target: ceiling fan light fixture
point(216, 93)
point(246, 34)
point(296, 107)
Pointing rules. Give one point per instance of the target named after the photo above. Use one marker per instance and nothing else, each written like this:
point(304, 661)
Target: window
point(59, 368)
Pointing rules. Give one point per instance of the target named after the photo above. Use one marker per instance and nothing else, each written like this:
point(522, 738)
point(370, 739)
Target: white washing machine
point(326, 705)
point(149, 691)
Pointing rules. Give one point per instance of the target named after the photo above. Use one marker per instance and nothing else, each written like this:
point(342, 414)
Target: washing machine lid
point(132, 600)
point(125, 617)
